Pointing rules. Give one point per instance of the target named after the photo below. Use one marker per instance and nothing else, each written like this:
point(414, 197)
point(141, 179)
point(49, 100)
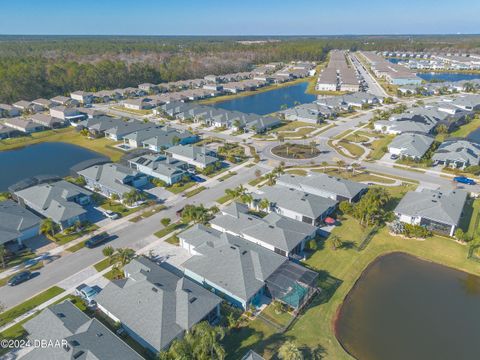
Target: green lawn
point(148, 213)
point(315, 327)
point(173, 240)
point(102, 265)
point(378, 147)
point(281, 319)
point(223, 199)
point(178, 188)
point(132, 111)
point(298, 172)
point(170, 228)
point(62, 239)
point(256, 181)
point(353, 149)
point(68, 135)
point(18, 259)
point(357, 176)
point(229, 175)
point(76, 247)
point(119, 208)
point(466, 129)
point(19, 310)
point(356, 137)
point(195, 191)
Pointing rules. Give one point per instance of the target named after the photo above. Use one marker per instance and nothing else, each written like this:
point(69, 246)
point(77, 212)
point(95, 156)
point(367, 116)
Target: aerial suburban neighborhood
point(238, 197)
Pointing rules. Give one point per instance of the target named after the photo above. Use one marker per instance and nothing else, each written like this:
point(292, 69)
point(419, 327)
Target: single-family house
point(160, 167)
point(8, 111)
point(82, 97)
point(155, 305)
point(157, 138)
point(197, 156)
point(17, 224)
point(23, 125)
point(437, 210)
point(68, 333)
point(295, 204)
point(410, 145)
point(325, 186)
point(112, 179)
point(47, 121)
point(457, 154)
point(61, 201)
point(275, 232)
point(66, 114)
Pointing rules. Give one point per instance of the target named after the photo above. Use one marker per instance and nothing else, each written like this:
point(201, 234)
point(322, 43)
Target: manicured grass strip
point(131, 111)
point(195, 191)
point(62, 239)
point(408, 168)
point(466, 129)
point(120, 208)
point(148, 213)
point(177, 189)
point(379, 147)
point(228, 176)
point(173, 240)
point(102, 265)
point(298, 172)
point(353, 149)
point(256, 181)
point(76, 247)
point(170, 228)
point(28, 305)
point(223, 199)
point(37, 266)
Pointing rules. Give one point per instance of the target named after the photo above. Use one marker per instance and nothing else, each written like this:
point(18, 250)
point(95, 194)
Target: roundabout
point(295, 151)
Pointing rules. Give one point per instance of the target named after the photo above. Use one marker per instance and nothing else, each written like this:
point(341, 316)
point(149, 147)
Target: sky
point(239, 17)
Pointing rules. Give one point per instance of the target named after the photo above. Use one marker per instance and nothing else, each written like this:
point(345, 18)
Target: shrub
point(416, 231)
point(165, 221)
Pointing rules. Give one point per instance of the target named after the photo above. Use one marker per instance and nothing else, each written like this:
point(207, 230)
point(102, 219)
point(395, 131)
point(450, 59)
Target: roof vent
point(158, 284)
point(192, 300)
point(99, 335)
point(244, 252)
point(78, 354)
point(271, 226)
point(154, 289)
point(233, 247)
point(61, 315)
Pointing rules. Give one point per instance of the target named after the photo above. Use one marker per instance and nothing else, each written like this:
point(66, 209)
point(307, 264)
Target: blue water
point(269, 101)
point(474, 135)
point(394, 60)
point(453, 76)
point(41, 159)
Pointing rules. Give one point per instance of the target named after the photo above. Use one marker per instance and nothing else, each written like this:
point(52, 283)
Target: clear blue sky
point(238, 17)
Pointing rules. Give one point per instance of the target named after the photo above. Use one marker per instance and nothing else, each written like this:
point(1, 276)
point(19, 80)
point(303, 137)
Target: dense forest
point(33, 67)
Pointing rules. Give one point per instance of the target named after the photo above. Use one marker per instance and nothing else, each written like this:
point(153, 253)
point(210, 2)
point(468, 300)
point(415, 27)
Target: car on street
point(464, 180)
point(20, 278)
point(97, 240)
point(111, 214)
point(87, 293)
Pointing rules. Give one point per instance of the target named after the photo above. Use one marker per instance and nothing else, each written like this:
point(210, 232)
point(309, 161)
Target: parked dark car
point(20, 278)
point(97, 240)
point(464, 180)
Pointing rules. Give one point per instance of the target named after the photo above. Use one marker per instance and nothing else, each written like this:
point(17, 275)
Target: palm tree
point(115, 197)
point(264, 204)
point(271, 178)
point(279, 170)
point(133, 196)
point(207, 340)
point(355, 166)
point(290, 351)
point(48, 227)
point(108, 251)
point(336, 242)
point(3, 255)
point(341, 164)
point(313, 145)
point(247, 199)
point(324, 164)
point(123, 256)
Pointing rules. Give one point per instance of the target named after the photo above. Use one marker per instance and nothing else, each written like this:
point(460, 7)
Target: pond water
point(406, 308)
point(55, 158)
point(474, 135)
point(269, 101)
point(448, 76)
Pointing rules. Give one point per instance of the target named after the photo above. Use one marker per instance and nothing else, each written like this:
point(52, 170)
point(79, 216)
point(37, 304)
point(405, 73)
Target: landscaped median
point(195, 191)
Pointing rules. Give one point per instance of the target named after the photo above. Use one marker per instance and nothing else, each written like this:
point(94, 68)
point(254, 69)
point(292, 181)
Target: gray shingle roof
point(463, 151)
point(113, 176)
point(412, 144)
point(196, 153)
point(322, 185)
point(439, 205)
point(14, 219)
point(52, 200)
point(252, 355)
point(87, 338)
point(161, 165)
point(155, 303)
point(232, 263)
point(301, 202)
point(276, 230)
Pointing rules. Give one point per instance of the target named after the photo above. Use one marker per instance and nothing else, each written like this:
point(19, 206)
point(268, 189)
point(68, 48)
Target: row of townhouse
point(339, 75)
point(394, 73)
point(430, 89)
point(221, 118)
point(329, 107)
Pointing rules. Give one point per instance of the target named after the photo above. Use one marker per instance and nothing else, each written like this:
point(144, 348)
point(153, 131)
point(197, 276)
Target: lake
point(269, 101)
point(448, 76)
point(406, 308)
point(54, 158)
point(474, 136)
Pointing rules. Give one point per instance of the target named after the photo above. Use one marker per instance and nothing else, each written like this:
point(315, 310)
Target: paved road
point(373, 86)
point(133, 235)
